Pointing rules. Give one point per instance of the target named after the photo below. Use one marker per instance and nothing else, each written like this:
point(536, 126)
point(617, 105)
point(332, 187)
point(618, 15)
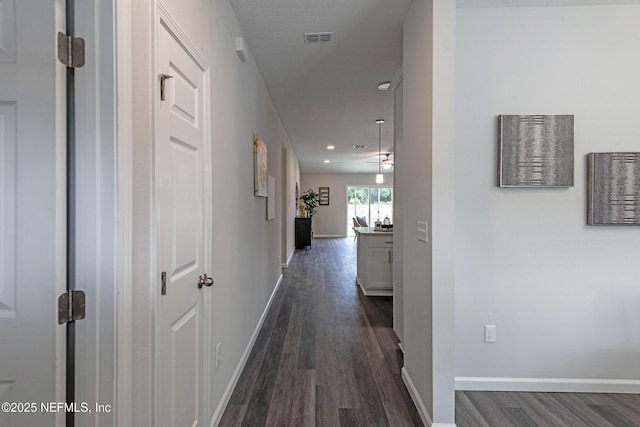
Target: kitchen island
point(375, 261)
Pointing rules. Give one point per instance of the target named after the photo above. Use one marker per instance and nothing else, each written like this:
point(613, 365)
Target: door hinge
point(71, 50)
point(71, 306)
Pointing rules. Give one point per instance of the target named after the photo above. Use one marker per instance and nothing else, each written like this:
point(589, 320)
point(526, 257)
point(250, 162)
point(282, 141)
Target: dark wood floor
point(326, 354)
point(490, 409)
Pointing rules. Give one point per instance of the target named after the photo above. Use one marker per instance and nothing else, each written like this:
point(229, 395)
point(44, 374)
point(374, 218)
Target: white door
point(182, 230)
point(31, 221)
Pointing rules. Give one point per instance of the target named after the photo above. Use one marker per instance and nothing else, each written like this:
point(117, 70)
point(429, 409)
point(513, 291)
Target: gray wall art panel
point(536, 151)
point(614, 189)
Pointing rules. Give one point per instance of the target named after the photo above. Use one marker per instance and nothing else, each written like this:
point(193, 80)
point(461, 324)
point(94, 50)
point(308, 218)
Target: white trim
point(290, 257)
point(167, 20)
point(154, 250)
point(217, 416)
point(372, 292)
point(415, 396)
point(570, 385)
point(61, 218)
point(328, 236)
point(124, 210)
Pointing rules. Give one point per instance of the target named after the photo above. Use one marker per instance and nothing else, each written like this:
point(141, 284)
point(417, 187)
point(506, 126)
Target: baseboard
point(415, 396)
point(217, 416)
point(569, 385)
point(290, 256)
point(328, 236)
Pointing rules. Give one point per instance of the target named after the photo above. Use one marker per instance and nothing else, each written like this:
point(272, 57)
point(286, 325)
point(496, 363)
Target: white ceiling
point(327, 93)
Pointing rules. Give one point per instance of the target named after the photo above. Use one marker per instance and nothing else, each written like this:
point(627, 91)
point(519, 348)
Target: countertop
point(372, 230)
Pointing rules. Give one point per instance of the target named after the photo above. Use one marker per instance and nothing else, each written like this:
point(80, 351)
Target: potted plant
point(310, 199)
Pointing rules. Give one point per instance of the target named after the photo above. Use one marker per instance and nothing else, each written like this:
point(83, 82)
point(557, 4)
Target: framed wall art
point(535, 150)
point(323, 196)
point(613, 189)
point(260, 183)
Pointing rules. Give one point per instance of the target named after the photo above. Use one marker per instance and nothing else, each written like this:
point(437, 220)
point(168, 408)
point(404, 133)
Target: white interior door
point(183, 232)
point(30, 217)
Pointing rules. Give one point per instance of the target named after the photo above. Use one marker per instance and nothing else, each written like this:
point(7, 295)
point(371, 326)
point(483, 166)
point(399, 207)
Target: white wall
point(428, 195)
point(247, 251)
point(330, 221)
point(292, 168)
point(398, 216)
point(564, 296)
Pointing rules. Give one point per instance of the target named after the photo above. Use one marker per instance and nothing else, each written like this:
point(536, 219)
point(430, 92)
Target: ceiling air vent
point(310, 38)
point(359, 147)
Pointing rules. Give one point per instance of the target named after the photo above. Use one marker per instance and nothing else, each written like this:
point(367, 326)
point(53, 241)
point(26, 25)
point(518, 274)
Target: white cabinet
point(375, 261)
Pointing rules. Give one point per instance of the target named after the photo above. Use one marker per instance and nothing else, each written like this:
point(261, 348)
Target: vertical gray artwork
point(614, 189)
point(536, 151)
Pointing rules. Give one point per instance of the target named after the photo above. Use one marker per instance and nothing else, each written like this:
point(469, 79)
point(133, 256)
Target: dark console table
point(303, 233)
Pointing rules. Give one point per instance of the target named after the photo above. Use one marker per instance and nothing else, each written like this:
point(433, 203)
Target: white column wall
point(428, 158)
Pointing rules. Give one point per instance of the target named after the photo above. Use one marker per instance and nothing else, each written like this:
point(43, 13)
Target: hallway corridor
point(326, 355)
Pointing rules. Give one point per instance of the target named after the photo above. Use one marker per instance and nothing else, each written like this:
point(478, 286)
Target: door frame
point(111, 43)
point(107, 28)
point(163, 17)
point(124, 211)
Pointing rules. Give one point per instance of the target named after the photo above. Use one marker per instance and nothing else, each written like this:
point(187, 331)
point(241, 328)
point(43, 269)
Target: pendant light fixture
point(379, 177)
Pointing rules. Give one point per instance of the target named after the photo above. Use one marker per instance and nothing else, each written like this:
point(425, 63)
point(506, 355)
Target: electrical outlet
point(490, 333)
point(218, 353)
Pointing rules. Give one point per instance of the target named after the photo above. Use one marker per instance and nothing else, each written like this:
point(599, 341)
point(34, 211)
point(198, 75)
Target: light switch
point(423, 231)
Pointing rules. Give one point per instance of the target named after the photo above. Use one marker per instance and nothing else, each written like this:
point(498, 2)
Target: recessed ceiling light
point(327, 161)
point(384, 86)
point(331, 147)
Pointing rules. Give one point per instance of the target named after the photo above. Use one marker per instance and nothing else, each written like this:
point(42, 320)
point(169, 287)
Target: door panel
point(181, 230)
point(184, 363)
point(29, 214)
point(379, 268)
point(186, 233)
point(8, 159)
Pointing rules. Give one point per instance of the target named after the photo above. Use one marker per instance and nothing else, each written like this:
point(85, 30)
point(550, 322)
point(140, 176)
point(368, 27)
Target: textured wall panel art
point(614, 189)
point(535, 151)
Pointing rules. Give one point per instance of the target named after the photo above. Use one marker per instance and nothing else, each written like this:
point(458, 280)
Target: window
point(374, 203)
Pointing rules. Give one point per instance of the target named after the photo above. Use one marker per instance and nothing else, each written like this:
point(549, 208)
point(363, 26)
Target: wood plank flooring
point(326, 354)
point(489, 409)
